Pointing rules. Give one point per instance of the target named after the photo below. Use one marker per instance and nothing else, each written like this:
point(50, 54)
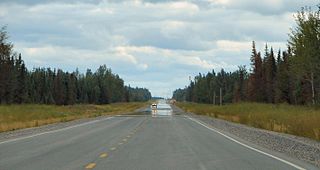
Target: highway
point(160, 140)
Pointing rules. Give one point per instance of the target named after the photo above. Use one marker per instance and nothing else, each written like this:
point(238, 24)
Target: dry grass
point(297, 120)
point(14, 117)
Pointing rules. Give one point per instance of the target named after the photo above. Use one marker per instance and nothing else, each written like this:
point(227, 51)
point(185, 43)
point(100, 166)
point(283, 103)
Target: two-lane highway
point(157, 141)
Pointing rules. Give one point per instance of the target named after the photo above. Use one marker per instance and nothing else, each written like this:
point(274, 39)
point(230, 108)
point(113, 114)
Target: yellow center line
point(103, 155)
point(90, 165)
point(113, 148)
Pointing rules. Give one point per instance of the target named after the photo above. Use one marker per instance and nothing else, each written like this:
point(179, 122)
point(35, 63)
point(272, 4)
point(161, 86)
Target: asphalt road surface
point(160, 140)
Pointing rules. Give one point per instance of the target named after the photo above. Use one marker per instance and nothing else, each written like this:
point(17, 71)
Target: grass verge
point(14, 117)
point(297, 120)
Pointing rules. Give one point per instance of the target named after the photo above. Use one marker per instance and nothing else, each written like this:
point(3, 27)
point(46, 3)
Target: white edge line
point(54, 131)
point(247, 146)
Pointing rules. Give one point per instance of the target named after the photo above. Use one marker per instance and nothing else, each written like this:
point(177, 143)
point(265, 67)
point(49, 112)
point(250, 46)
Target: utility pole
point(214, 92)
point(220, 96)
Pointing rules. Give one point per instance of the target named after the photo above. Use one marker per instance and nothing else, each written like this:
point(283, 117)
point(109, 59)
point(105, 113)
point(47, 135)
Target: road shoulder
point(281, 145)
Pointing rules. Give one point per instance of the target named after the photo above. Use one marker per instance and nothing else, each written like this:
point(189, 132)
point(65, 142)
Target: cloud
point(191, 8)
point(156, 44)
point(123, 54)
point(227, 45)
point(266, 7)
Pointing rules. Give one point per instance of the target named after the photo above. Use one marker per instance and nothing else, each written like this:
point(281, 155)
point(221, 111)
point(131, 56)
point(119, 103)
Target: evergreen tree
point(21, 72)
point(270, 77)
point(255, 85)
point(71, 89)
point(240, 85)
point(284, 79)
point(59, 88)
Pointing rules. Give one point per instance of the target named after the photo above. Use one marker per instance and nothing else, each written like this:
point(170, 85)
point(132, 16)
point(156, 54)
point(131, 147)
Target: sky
point(156, 44)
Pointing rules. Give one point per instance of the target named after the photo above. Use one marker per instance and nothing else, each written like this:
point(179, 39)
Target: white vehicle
point(154, 106)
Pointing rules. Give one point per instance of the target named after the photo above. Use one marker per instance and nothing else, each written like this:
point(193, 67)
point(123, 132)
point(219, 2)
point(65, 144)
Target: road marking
point(124, 140)
point(90, 165)
point(130, 115)
point(247, 146)
point(128, 136)
point(120, 143)
point(54, 131)
point(104, 155)
point(113, 148)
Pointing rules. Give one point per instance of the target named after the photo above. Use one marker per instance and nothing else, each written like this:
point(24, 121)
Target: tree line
point(55, 86)
point(289, 76)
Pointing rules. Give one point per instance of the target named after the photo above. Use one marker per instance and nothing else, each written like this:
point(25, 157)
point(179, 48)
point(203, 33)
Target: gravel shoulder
point(301, 148)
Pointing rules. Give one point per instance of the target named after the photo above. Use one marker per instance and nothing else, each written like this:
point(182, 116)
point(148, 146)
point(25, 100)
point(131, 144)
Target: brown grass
point(297, 120)
point(14, 117)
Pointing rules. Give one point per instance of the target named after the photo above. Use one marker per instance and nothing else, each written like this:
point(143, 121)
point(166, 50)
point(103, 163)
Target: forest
point(54, 86)
point(290, 76)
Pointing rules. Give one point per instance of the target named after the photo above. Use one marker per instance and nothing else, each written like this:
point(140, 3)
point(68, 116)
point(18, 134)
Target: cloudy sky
point(155, 44)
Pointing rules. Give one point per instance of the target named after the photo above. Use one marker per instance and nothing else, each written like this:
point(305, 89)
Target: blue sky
point(155, 44)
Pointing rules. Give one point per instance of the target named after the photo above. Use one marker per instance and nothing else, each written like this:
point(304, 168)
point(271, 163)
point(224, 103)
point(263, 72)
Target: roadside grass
point(14, 117)
point(297, 120)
